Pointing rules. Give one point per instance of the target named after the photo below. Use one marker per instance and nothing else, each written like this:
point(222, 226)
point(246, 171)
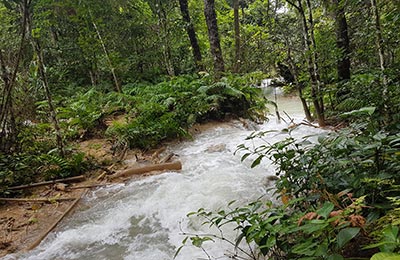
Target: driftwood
point(87, 186)
point(74, 203)
point(157, 153)
point(71, 179)
point(106, 171)
point(36, 199)
point(166, 158)
point(149, 168)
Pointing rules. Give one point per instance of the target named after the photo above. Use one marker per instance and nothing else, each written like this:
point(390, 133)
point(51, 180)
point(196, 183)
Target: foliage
point(282, 232)
point(361, 159)
point(26, 168)
point(168, 109)
point(339, 192)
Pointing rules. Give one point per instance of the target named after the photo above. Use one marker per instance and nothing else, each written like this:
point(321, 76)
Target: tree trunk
point(112, 68)
point(43, 76)
point(317, 80)
point(295, 73)
point(191, 33)
point(213, 36)
point(8, 131)
point(53, 114)
point(379, 42)
point(236, 67)
point(342, 41)
point(310, 46)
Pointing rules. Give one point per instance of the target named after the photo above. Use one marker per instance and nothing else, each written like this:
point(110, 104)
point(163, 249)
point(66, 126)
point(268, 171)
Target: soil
point(23, 224)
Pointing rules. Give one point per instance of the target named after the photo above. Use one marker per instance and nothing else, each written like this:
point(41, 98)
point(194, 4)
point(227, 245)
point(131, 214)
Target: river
point(143, 219)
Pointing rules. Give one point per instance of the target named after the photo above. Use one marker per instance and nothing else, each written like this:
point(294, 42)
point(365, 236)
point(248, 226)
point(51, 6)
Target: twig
point(71, 179)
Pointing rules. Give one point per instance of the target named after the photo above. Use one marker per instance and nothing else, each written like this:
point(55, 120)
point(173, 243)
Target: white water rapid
point(140, 220)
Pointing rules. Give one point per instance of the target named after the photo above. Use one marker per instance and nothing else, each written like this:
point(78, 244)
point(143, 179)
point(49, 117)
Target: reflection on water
point(290, 104)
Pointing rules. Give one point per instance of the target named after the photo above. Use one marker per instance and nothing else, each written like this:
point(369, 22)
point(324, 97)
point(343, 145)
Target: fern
point(350, 104)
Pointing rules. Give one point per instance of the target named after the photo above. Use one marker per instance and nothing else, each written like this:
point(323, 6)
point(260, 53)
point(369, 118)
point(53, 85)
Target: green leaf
point(363, 110)
point(198, 241)
point(385, 256)
point(257, 161)
point(335, 257)
point(177, 251)
point(307, 248)
point(345, 235)
point(326, 209)
point(245, 156)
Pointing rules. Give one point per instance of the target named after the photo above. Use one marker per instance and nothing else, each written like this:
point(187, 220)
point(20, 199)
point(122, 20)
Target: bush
point(340, 197)
point(166, 110)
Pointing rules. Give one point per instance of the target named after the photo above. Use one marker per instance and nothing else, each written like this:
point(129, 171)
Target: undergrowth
point(340, 198)
point(152, 113)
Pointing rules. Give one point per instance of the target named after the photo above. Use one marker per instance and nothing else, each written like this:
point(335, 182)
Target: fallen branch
point(149, 168)
point(166, 158)
point(157, 153)
point(308, 124)
point(49, 200)
point(74, 203)
point(87, 186)
point(106, 171)
point(32, 185)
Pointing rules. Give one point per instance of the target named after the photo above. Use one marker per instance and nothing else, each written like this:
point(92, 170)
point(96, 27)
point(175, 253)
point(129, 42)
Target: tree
point(342, 41)
point(236, 66)
point(311, 56)
point(213, 36)
point(183, 4)
point(8, 131)
point(35, 41)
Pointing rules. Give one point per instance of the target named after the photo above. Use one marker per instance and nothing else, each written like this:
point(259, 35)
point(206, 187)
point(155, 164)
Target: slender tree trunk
point(321, 117)
point(379, 43)
point(236, 67)
point(164, 38)
point(216, 52)
point(342, 41)
point(299, 87)
point(312, 59)
point(191, 33)
point(379, 46)
point(43, 75)
point(8, 129)
point(53, 114)
point(112, 68)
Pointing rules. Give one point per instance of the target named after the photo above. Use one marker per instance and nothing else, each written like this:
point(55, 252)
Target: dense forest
point(68, 67)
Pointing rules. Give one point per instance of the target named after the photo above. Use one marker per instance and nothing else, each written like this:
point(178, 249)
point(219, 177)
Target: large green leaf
point(345, 235)
point(386, 256)
point(326, 209)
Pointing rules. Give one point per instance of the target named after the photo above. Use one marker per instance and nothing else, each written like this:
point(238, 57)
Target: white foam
point(143, 219)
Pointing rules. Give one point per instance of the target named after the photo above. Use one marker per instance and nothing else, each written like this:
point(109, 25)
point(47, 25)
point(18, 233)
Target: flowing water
point(144, 219)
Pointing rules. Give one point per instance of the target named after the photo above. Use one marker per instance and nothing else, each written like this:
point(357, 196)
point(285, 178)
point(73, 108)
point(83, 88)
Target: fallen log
point(74, 203)
point(33, 185)
point(49, 200)
point(177, 165)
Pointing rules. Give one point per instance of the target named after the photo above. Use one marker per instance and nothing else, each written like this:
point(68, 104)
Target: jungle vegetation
point(66, 66)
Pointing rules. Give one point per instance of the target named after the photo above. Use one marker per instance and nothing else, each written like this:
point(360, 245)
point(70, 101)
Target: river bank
point(26, 223)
